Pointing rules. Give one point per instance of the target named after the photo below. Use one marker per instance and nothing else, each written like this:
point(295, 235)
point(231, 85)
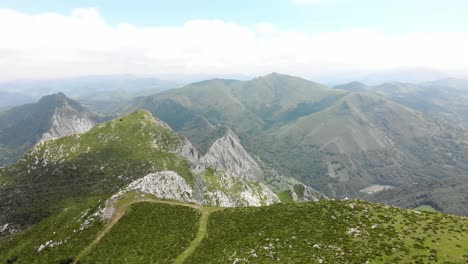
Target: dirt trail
point(202, 227)
point(201, 233)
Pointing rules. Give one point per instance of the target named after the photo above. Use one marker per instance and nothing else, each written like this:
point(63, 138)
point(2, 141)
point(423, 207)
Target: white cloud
point(52, 45)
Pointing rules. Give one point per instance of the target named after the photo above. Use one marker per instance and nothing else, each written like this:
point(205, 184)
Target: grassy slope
point(147, 233)
point(334, 231)
point(67, 227)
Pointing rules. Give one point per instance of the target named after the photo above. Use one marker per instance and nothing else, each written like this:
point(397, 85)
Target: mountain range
point(265, 166)
point(131, 190)
point(338, 141)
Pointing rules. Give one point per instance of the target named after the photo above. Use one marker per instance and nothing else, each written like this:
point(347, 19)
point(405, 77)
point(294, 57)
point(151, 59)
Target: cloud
point(52, 45)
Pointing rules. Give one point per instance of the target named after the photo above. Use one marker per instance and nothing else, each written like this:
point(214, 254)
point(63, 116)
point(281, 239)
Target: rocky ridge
point(67, 121)
point(227, 154)
point(304, 193)
point(226, 191)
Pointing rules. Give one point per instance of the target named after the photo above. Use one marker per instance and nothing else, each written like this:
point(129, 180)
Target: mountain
point(136, 153)
point(10, 99)
point(361, 139)
point(100, 93)
point(336, 141)
point(353, 87)
point(227, 154)
point(445, 99)
point(410, 75)
point(249, 105)
point(460, 84)
point(132, 190)
point(53, 116)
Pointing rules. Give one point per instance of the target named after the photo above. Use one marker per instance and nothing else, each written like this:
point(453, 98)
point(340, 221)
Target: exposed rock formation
point(164, 184)
point(228, 155)
point(219, 190)
point(67, 121)
point(304, 193)
point(188, 151)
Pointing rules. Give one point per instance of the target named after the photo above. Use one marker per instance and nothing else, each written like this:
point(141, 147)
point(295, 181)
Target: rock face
point(228, 155)
point(304, 193)
point(53, 116)
point(67, 121)
point(218, 190)
point(165, 185)
point(188, 151)
point(225, 190)
point(225, 154)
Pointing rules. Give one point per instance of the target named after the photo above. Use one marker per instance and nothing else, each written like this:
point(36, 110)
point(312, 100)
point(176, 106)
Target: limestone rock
point(228, 155)
point(304, 193)
point(67, 121)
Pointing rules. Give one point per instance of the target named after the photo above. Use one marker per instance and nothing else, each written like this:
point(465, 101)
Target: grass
point(285, 197)
point(426, 208)
point(332, 232)
point(66, 227)
point(147, 233)
point(154, 231)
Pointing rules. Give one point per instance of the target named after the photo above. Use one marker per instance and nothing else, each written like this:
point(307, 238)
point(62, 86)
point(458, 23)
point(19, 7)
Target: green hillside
point(147, 233)
point(332, 232)
point(153, 231)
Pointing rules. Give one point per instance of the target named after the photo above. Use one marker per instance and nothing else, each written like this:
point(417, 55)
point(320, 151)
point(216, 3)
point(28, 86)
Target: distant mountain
point(353, 87)
point(10, 99)
point(99, 93)
point(445, 99)
point(411, 75)
point(337, 141)
point(448, 83)
point(53, 116)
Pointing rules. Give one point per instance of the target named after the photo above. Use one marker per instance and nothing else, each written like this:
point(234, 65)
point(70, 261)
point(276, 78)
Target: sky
point(170, 39)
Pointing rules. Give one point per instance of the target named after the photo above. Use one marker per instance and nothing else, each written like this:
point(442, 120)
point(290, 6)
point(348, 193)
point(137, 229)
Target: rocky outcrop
point(67, 121)
point(188, 151)
point(219, 190)
point(158, 121)
point(304, 193)
point(228, 155)
point(165, 185)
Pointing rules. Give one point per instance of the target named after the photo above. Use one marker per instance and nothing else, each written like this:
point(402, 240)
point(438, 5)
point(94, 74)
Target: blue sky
point(317, 39)
point(310, 15)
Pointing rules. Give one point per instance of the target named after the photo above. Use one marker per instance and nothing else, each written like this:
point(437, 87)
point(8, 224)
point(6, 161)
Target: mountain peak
point(145, 115)
point(276, 76)
point(227, 154)
point(353, 86)
point(51, 98)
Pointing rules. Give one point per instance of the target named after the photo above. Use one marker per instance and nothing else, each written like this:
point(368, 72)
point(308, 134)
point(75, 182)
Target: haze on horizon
point(324, 40)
